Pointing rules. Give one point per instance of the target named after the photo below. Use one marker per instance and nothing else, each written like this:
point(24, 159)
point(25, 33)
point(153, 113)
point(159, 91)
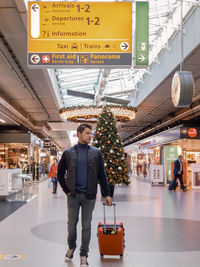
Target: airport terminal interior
point(131, 70)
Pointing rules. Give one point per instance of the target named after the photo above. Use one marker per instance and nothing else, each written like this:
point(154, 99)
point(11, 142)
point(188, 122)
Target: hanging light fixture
point(91, 113)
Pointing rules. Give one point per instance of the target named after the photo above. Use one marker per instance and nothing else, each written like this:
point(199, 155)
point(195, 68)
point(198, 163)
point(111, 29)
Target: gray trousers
point(74, 203)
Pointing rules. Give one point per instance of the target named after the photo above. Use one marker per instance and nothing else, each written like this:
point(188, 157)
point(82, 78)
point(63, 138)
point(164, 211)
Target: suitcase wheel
point(101, 256)
point(121, 257)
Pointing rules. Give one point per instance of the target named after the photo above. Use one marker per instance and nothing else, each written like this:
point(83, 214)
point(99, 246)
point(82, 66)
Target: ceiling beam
point(115, 100)
point(120, 92)
point(92, 96)
point(80, 94)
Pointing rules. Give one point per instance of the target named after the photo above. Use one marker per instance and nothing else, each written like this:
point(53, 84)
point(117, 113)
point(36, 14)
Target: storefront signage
point(142, 34)
point(146, 144)
point(35, 141)
point(190, 132)
point(46, 143)
point(86, 34)
point(53, 148)
point(53, 153)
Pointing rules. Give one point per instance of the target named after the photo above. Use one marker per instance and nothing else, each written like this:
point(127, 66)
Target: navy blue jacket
point(177, 167)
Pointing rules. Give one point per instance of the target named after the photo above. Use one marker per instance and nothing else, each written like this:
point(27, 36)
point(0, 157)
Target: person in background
point(53, 174)
point(79, 170)
point(178, 172)
point(1, 165)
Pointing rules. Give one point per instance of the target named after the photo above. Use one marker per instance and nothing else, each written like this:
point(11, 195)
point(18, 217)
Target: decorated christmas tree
point(107, 138)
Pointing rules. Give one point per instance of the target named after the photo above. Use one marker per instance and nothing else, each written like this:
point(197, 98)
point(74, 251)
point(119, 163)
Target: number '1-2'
point(86, 8)
point(96, 21)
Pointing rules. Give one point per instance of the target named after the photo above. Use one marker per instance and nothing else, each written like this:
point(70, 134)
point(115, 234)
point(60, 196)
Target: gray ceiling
point(27, 97)
point(158, 106)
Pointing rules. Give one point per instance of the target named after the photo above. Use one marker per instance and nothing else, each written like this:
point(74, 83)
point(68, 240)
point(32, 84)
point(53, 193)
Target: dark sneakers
point(84, 261)
point(69, 255)
point(184, 189)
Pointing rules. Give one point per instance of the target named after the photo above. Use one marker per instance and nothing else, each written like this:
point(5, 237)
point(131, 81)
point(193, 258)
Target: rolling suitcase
point(111, 236)
point(171, 187)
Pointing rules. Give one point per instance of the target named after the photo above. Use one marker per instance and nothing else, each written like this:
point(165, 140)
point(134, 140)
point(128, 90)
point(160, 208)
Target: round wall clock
point(182, 89)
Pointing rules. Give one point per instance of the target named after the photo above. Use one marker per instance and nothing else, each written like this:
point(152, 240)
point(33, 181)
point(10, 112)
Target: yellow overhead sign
point(78, 27)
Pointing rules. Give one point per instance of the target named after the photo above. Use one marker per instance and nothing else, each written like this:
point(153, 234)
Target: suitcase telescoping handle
point(104, 215)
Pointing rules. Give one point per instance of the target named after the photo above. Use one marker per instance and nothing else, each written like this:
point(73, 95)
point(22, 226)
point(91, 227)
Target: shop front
point(144, 160)
point(190, 144)
point(163, 149)
point(143, 156)
point(20, 150)
point(13, 156)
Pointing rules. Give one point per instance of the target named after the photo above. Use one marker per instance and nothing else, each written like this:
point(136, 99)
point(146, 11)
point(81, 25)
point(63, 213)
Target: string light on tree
point(112, 149)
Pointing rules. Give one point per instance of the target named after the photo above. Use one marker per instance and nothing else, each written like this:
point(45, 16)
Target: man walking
point(84, 168)
point(178, 172)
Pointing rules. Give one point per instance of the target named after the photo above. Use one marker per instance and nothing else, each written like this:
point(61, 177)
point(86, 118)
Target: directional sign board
point(142, 34)
point(80, 34)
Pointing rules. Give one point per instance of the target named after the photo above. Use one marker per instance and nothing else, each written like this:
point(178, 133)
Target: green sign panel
point(171, 155)
point(142, 34)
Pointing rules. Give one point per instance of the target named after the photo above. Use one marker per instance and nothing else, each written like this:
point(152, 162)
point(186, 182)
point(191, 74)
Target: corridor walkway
point(162, 229)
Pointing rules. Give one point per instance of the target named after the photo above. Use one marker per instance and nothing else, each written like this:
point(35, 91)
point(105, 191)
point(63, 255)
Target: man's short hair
point(82, 127)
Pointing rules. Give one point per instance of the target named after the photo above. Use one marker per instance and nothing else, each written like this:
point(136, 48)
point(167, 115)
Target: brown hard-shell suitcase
point(111, 236)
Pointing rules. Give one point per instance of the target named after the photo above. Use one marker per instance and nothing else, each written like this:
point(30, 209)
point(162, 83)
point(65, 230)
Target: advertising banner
point(3, 182)
point(171, 154)
point(156, 174)
point(195, 168)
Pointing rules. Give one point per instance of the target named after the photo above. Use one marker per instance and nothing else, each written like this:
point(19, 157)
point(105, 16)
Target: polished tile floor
point(162, 229)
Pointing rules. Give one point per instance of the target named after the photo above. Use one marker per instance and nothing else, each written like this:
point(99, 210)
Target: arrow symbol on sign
point(35, 59)
point(35, 7)
point(141, 58)
point(124, 46)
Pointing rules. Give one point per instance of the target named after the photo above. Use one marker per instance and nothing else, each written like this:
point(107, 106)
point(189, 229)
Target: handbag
point(53, 179)
point(49, 183)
